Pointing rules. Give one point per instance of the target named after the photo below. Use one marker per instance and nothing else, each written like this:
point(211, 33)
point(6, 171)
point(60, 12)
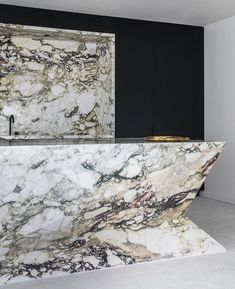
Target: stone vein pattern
point(56, 82)
point(72, 208)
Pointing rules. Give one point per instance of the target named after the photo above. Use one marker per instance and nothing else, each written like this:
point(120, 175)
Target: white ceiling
point(194, 12)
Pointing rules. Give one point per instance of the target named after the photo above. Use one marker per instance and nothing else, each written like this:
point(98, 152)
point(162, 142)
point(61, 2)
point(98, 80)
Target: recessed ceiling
point(194, 12)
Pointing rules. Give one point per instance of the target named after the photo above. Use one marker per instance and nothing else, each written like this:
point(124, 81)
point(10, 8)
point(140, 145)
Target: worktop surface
point(74, 141)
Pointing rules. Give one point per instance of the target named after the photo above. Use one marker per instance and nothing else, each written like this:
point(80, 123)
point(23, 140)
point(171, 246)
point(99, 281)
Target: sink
point(33, 137)
point(8, 137)
point(18, 137)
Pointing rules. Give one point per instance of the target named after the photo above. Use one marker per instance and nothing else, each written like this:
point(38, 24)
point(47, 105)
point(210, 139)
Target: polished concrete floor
point(215, 271)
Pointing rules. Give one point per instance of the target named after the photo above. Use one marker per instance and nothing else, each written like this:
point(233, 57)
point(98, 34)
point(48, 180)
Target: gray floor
point(215, 271)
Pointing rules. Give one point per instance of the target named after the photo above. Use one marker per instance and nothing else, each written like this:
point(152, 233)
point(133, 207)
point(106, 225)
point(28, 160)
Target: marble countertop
point(72, 141)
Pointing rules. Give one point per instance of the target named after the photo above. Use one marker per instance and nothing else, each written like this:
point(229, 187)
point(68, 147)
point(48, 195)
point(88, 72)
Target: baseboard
point(218, 197)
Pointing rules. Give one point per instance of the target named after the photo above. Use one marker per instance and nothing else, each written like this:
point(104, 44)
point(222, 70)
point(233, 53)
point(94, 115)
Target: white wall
point(220, 105)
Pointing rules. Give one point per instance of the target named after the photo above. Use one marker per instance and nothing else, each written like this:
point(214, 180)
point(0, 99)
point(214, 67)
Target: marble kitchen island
point(71, 205)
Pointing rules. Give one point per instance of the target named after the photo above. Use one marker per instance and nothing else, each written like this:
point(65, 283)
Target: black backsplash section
point(159, 69)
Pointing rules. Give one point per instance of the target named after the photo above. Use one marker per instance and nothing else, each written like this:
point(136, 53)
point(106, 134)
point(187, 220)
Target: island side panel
point(71, 208)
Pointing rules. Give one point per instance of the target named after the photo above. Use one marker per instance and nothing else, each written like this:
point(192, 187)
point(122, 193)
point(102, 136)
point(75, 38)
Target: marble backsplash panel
point(56, 82)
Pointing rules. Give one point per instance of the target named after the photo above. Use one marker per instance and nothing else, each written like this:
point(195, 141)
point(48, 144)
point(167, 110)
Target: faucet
point(11, 120)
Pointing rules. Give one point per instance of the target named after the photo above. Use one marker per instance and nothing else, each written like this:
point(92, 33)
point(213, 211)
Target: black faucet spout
point(11, 120)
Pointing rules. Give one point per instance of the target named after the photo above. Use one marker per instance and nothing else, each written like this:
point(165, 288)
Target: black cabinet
point(134, 80)
point(179, 91)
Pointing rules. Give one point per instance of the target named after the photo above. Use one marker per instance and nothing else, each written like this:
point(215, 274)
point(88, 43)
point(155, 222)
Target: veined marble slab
point(57, 82)
point(72, 208)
